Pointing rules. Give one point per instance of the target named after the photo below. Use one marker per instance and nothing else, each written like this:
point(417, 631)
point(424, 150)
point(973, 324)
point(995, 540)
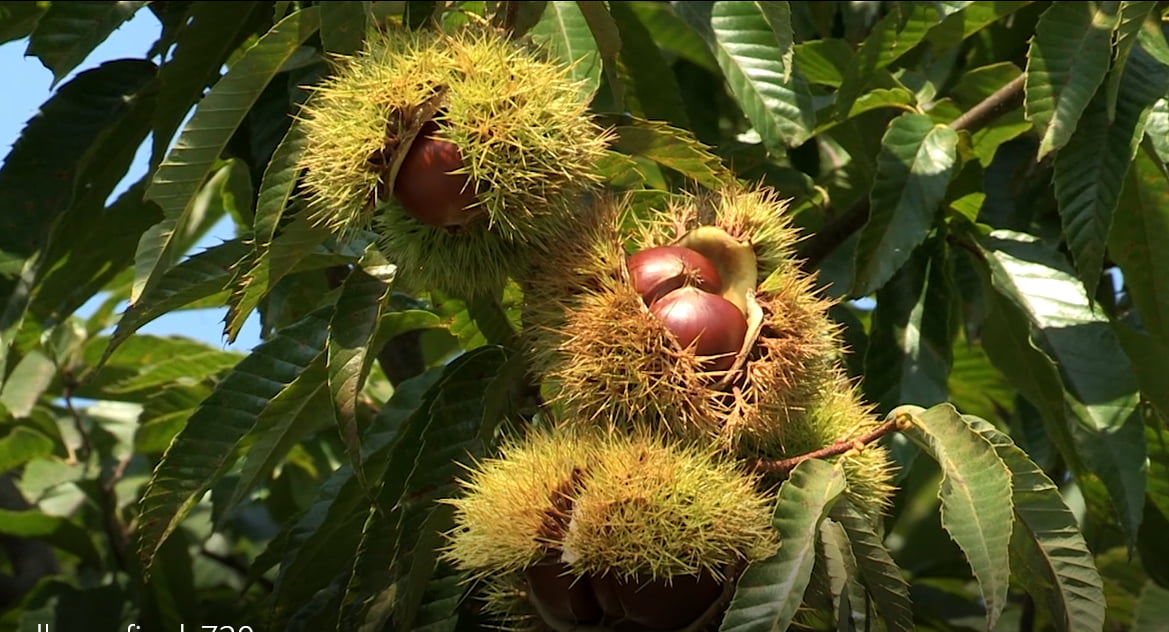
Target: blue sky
point(133, 39)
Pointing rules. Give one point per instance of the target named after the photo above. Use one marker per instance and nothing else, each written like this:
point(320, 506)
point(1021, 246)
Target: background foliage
point(990, 179)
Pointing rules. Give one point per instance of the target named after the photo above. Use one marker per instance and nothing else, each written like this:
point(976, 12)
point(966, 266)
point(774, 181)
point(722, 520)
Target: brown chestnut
point(425, 186)
point(562, 596)
point(658, 271)
point(709, 322)
point(662, 604)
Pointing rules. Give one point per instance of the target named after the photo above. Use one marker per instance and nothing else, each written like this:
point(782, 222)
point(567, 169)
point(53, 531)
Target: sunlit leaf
point(879, 573)
point(69, 31)
point(1140, 227)
point(565, 32)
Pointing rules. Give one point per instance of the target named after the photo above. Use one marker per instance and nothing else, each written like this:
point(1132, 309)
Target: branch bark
point(784, 467)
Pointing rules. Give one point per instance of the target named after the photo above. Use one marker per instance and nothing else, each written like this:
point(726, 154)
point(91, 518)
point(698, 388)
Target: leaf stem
point(785, 466)
point(821, 244)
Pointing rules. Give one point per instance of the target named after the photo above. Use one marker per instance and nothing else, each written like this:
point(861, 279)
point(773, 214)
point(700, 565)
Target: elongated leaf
point(181, 174)
point(1048, 554)
point(848, 598)
point(1067, 61)
point(908, 358)
point(321, 544)
point(1097, 376)
point(652, 92)
point(892, 37)
point(673, 148)
point(21, 445)
point(54, 530)
point(175, 367)
point(1130, 18)
point(564, 31)
point(1140, 228)
point(207, 446)
point(69, 31)
point(913, 171)
point(28, 380)
point(1090, 170)
point(210, 32)
point(343, 26)
point(351, 332)
point(975, 494)
point(753, 61)
point(770, 591)
point(198, 277)
point(879, 573)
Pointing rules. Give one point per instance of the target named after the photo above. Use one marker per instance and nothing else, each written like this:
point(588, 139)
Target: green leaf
point(360, 306)
point(752, 59)
point(654, 91)
point(1132, 16)
point(564, 31)
point(913, 171)
point(908, 357)
point(1157, 438)
point(181, 175)
point(176, 367)
point(1152, 610)
point(1140, 228)
point(849, 602)
point(1048, 554)
point(1090, 170)
point(343, 26)
point(671, 33)
point(208, 446)
point(21, 445)
point(1102, 392)
point(18, 19)
point(54, 530)
point(975, 385)
point(210, 32)
point(1066, 62)
point(303, 407)
point(198, 277)
point(892, 37)
point(769, 592)
point(69, 31)
point(673, 148)
point(975, 494)
point(879, 573)
point(28, 380)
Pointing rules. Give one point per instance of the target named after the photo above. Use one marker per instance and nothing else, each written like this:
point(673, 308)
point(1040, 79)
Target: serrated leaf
point(890, 38)
point(181, 175)
point(198, 277)
point(291, 416)
point(564, 31)
point(21, 445)
point(848, 597)
point(164, 414)
point(908, 357)
point(1140, 228)
point(69, 31)
point(208, 446)
point(975, 494)
point(975, 385)
point(1131, 17)
point(1066, 62)
point(360, 306)
point(176, 368)
point(673, 34)
point(1157, 438)
point(343, 26)
point(752, 60)
point(210, 32)
point(673, 148)
point(879, 573)
point(1090, 170)
point(913, 171)
point(1048, 554)
point(769, 591)
point(1094, 370)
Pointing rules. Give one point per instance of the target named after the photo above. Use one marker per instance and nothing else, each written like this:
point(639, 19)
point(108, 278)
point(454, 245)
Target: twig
point(108, 502)
point(785, 466)
point(82, 454)
point(819, 245)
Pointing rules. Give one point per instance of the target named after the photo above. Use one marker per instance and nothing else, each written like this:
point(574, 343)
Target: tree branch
point(785, 466)
point(818, 246)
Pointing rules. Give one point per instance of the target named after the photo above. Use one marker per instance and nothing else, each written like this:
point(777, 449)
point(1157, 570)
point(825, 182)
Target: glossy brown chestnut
point(658, 271)
point(561, 595)
point(425, 186)
point(708, 321)
point(661, 605)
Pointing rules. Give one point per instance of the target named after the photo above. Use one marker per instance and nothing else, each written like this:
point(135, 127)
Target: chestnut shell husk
point(610, 362)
